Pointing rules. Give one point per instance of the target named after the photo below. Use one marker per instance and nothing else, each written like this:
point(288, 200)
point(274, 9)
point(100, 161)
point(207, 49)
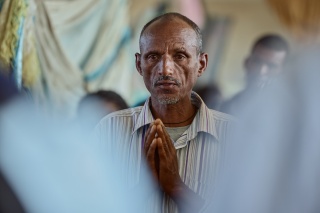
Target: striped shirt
point(199, 149)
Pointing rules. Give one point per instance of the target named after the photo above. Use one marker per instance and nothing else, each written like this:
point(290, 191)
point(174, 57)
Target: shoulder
point(220, 116)
point(125, 114)
point(216, 123)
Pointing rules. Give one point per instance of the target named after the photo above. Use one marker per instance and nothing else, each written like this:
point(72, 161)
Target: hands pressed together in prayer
point(162, 159)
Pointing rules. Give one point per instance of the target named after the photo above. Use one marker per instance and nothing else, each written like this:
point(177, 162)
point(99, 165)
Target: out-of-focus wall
point(250, 19)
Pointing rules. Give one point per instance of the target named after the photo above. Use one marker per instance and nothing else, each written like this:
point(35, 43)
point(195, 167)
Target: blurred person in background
point(211, 96)
point(265, 61)
point(262, 66)
point(174, 133)
point(273, 163)
point(94, 106)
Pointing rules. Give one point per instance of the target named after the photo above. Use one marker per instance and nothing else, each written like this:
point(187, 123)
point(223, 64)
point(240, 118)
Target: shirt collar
point(203, 121)
point(145, 117)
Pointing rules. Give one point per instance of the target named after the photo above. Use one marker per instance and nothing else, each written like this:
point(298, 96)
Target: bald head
point(172, 17)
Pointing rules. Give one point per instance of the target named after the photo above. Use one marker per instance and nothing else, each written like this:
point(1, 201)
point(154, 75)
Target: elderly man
point(179, 138)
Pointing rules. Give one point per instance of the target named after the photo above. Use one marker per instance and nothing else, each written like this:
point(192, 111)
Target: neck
point(174, 115)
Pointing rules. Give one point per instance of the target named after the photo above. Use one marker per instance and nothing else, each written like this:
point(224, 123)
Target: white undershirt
point(176, 132)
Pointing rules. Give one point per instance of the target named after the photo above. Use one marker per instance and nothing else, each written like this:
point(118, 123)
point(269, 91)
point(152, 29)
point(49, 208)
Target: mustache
point(166, 78)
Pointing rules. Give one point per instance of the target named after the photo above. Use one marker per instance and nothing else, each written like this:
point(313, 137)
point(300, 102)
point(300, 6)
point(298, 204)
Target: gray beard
point(168, 100)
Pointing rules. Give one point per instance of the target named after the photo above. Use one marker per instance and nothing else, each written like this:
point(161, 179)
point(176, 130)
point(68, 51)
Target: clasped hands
point(162, 158)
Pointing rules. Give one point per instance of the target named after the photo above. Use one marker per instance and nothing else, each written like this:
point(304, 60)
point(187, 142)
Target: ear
point(138, 63)
point(203, 61)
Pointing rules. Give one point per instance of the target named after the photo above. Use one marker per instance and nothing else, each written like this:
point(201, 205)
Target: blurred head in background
point(94, 106)
point(211, 95)
point(266, 60)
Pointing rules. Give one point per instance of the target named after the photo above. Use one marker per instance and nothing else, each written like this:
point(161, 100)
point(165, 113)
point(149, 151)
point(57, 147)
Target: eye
point(152, 57)
point(180, 56)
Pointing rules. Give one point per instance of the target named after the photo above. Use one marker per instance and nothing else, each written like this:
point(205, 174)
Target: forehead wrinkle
point(187, 34)
point(150, 43)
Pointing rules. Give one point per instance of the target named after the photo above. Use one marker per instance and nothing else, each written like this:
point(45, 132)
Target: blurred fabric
point(61, 50)
point(51, 166)
point(301, 17)
point(273, 162)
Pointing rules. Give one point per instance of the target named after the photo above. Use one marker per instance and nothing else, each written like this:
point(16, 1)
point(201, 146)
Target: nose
point(167, 66)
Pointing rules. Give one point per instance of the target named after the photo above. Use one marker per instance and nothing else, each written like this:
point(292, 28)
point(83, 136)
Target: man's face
point(169, 61)
point(263, 64)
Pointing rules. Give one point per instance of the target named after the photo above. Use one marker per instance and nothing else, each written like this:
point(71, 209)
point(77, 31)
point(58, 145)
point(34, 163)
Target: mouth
point(166, 84)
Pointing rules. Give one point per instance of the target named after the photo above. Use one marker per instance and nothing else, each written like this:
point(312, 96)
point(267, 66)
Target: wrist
point(176, 191)
point(185, 198)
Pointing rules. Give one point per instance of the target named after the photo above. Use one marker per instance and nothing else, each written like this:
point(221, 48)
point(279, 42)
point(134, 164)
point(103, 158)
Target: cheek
point(148, 76)
point(149, 67)
point(189, 79)
point(191, 73)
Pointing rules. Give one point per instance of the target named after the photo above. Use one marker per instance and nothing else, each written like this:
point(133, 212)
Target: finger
point(161, 123)
point(162, 132)
point(164, 140)
point(157, 121)
point(169, 146)
point(149, 137)
point(165, 133)
point(151, 151)
point(151, 156)
point(161, 149)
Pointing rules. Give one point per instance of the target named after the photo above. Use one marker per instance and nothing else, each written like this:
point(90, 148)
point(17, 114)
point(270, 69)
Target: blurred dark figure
point(9, 203)
point(211, 95)
point(93, 107)
point(262, 66)
point(8, 90)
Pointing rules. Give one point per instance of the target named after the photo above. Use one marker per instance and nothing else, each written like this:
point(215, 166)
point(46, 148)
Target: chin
point(166, 100)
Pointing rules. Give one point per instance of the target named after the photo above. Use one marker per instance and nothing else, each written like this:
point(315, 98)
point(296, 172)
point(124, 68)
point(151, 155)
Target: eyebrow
point(156, 52)
point(179, 49)
point(182, 50)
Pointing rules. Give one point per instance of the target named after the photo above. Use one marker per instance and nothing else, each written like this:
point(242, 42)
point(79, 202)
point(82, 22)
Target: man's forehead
point(168, 44)
point(182, 40)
